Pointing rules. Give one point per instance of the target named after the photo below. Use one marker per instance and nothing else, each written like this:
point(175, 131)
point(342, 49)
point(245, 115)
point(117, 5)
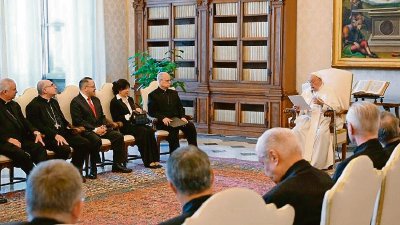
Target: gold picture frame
point(367, 34)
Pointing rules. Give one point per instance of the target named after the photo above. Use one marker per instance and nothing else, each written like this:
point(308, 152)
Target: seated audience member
point(388, 133)
point(165, 104)
point(44, 113)
point(312, 127)
point(122, 109)
point(297, 182)
point(86, 111)
point(190, 177)
point(19, 140)
point(53, 194)
point(363, 124)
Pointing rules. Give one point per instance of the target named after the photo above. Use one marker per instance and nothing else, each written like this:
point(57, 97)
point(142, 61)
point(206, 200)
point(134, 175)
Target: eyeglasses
point(170, 80)
point(51, 85)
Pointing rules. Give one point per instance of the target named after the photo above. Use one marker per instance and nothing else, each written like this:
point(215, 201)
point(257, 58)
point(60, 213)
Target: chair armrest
point(331, 114)
point(188, 117)
point(293, 114)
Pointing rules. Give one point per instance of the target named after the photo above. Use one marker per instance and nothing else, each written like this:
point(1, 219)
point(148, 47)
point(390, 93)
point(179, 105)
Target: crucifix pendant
point(57, 126)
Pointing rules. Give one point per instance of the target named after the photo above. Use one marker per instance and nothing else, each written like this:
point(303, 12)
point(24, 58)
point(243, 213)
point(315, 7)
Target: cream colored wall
point(314, 44)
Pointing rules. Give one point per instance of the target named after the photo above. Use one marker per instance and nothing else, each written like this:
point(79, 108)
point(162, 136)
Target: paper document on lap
point(176, 122)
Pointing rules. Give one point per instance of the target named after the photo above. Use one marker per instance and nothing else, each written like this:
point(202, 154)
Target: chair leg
point(11, 170)
point(103, 159)
point(344, 150)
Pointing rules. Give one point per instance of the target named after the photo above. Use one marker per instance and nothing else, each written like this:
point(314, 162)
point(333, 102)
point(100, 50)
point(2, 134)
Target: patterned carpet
point(143, 197)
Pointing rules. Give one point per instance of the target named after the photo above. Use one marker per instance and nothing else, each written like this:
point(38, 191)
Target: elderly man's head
point(46, 88)
point(164, 80)
point(54, 190)
point(363, 119)
point(315, 81)
point(8, 89)
point(278, 149)
point(389, 128)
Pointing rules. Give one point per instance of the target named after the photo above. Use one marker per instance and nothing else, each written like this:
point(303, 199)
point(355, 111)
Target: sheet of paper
point(298, 100)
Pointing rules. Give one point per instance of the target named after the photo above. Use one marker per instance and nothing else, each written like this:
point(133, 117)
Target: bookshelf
point(238, 61)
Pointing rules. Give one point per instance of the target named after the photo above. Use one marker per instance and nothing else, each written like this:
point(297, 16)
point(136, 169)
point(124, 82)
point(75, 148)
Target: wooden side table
point(390, 104)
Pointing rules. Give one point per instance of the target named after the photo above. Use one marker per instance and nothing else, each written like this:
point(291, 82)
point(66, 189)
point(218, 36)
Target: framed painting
point(366, 33)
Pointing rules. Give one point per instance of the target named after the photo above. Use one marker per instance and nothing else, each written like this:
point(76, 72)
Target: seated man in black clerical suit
point(86, 111)
point(297, 182)
point(19, 140)
point(44, 113)
point(363, 119)
point(54, 194)
point(165, 104)
point(388, 133)
point(190, 177)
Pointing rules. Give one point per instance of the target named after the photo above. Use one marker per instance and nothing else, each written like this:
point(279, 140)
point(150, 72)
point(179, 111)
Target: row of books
point(189, 52)
point(159, 12)
point(186, 73)
point(224, 115)
point(225, 30)
point(253, 117)
point(224, 74)
point(158, 52)
point(255, 8)
point(255, 29)
point(158, 32)
point(189, 111)
point(183, 11)
point(255, 74)
point(226, 9)
point(258, 53)
point(225, 52)
point(185, 31)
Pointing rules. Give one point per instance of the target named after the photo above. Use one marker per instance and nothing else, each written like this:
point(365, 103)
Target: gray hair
point(189, 170)
point(389, 127)
point(160, 74)
point(281, 139)
point(5, 84)
point(84, 82)
point(40, 86)
point(53, 186)
point(364, 116)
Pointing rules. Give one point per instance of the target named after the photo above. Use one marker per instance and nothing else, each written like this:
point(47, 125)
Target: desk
point(388, 105)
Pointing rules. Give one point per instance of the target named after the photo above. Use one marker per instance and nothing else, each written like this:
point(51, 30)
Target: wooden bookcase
point(239, 59)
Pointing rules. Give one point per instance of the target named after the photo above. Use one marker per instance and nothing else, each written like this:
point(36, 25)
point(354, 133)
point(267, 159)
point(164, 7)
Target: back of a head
point(189, 170)
point(53, 187)
point(365, 117)
point(389, 127)
point(281, 139)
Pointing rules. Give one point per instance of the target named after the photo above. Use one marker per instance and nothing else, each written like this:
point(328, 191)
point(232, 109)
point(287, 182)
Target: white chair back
point(64, 100)
point(351, 200)
point(26, 97)
point(105, 94)
point(341, 81)
point(145, 94)
point(386, 207)
point(238, 206)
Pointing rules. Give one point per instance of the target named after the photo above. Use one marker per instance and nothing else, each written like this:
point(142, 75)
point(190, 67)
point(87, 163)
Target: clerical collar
point(44, 99)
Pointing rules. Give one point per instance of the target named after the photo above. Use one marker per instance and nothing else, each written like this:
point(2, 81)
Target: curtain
point(21, 42)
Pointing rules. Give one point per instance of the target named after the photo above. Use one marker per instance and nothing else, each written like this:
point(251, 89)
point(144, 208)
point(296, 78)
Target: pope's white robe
point(312, 127)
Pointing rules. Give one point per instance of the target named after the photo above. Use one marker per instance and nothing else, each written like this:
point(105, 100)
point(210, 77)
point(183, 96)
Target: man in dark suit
point(190, 177)
point(363, 123)
point(53, 194)
point(298, 183)
point(388, 133)
point(86, 111)
point(44, 113)
point(19, 140)
point(165, 104)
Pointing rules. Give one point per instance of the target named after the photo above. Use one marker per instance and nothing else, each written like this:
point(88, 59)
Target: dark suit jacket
point(388, 149)
point(188, 210)
point(303, 187)
point(82, 114)
point(372, 148)
point(163, 104)
point(37, 112)
point(119, 110)
point(37, 221)
point(14, 126)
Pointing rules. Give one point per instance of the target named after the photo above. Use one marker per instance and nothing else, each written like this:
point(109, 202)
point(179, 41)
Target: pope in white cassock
point(312, 127)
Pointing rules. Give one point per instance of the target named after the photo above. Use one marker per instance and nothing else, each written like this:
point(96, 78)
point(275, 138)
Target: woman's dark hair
point(119, 85)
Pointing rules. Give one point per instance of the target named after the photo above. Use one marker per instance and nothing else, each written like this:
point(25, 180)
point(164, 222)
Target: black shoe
point(3, 200)
point(92, 175)
point(154, 166)
point(120, 168)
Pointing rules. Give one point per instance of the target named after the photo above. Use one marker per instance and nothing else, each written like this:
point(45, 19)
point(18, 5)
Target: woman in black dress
point(122, 107)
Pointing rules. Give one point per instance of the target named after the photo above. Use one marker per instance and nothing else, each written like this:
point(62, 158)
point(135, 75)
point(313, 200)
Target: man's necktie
point(92, 106)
